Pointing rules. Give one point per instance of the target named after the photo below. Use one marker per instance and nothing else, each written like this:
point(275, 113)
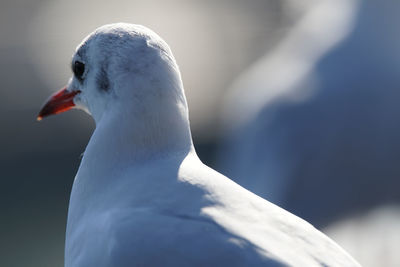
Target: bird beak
point(60, 101)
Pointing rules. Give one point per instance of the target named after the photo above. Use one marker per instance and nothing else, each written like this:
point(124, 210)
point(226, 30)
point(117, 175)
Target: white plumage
point(142, 197)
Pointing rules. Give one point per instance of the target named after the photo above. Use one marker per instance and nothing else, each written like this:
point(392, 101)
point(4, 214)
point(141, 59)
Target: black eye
point(79, 69)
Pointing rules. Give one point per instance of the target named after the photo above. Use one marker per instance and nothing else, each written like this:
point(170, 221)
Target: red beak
point(60, 101)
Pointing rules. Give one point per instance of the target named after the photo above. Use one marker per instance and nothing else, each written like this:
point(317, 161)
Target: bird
point(141, 196)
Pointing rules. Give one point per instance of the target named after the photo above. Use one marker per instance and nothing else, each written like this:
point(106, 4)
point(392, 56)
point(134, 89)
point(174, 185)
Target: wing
point(274, 232)
point(155, 238)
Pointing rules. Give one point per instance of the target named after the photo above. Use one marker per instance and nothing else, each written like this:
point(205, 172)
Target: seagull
point(141, 196)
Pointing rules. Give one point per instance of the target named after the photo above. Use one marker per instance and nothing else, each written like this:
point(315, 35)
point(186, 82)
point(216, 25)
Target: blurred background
point(298, 101)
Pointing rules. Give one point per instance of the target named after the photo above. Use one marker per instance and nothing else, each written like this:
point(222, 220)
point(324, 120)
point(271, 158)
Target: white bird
point(141, 196)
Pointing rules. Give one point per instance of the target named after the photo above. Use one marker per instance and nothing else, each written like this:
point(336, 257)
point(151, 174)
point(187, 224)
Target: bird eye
point(79, 69)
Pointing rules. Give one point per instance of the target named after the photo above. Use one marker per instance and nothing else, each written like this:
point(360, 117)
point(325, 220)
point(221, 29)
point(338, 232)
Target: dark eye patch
point(78, 69)
point(103, 82)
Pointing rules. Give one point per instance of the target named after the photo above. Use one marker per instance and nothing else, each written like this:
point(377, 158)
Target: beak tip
point(60, 101)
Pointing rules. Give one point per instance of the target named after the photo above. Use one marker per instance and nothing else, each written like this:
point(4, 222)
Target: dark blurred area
point(350, 111)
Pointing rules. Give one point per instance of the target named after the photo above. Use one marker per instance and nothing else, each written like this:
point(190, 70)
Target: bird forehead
point(126, 48)
point(120, 38)
point(113, 44)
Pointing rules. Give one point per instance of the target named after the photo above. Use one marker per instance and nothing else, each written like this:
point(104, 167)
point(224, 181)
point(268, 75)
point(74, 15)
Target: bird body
point(141, 196)
point(175, 210)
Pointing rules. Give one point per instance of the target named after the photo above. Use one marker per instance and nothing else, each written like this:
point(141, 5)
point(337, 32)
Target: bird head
point(120, 66)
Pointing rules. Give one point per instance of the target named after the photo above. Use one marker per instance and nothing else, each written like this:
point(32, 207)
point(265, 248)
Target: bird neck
point(123, 144)
point(133, 135)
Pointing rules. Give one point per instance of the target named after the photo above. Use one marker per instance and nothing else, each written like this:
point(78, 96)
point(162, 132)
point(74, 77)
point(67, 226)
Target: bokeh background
point(298, 101)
